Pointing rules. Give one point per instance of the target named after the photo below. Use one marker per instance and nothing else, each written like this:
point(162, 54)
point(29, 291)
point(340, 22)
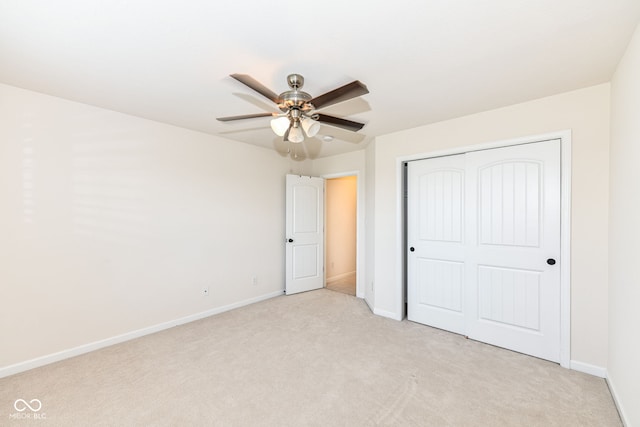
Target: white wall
point(586, 113)
point(111, 223)
point(352, 163)
point(624, 238)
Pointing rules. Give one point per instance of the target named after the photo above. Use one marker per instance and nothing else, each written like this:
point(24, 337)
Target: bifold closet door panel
point(436, 245)
point(513, 247)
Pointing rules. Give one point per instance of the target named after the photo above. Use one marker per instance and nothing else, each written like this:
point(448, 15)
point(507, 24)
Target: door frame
point(360, 252)
point(565, 224)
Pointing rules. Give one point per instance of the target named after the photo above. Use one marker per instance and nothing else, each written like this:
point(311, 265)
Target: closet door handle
point(551, 261)
point(290, 240)
point(412, 249)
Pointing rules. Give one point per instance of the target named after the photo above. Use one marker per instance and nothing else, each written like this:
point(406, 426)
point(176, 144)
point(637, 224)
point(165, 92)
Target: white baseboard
point(369, 304)
point(96, 345)
point(620, 408)
point(586, 368)
point(339, 277)
point(385, 313)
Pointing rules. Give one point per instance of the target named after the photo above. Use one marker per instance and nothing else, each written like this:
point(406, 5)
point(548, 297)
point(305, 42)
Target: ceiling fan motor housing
point(295, 99)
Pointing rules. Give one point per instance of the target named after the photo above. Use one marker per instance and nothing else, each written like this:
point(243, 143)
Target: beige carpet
point(346, 284)
point(314, 359)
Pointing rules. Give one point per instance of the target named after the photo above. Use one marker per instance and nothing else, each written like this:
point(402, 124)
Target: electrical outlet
point(205, 291)
point(254, 280)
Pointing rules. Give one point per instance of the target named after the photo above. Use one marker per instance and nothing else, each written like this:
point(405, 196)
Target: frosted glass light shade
point(280, 125)
point(310, 126)
point(295, 134)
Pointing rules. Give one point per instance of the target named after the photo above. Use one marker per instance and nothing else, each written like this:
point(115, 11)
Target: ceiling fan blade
point(343, 93)
point(247, 80)
point(341, 123)
point(246, 116)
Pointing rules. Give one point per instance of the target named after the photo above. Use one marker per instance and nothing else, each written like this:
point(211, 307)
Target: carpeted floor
point(314, 359)
point(346, 284)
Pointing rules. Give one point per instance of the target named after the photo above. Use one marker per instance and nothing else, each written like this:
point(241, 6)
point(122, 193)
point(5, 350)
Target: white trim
point(96, 345)
point(371, 308)
point(401, 312)
point(340, 276)
point(565, 249)
point(340, 174)
point(587, 368)
point(619, 407)
point(485, 146)
point(565, 224)
point(360, 232)
point(385, 313)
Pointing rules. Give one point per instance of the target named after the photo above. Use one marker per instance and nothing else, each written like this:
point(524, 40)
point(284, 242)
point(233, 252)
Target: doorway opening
point(341, 196)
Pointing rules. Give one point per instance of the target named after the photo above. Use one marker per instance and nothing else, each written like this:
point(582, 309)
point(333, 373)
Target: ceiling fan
point(299, 108)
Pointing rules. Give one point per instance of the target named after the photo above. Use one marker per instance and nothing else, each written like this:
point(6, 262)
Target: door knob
point(551, 261)
point(412, 249)
point(290, 240)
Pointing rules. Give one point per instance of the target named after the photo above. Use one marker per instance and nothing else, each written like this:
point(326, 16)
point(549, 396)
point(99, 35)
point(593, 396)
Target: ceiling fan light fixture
point(310, 126)
point(280, 125)
point(295, 134)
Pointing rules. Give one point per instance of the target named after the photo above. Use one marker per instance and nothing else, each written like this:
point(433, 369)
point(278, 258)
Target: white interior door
point(304, 234)
point(485, 229)
point(513, 248)
point(436, 256)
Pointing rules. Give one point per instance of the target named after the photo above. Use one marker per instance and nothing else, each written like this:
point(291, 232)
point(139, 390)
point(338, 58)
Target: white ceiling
point(423, 60)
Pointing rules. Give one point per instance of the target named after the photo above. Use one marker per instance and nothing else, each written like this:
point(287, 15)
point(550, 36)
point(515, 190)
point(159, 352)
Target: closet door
point(436, 257)
point(483, 234)
point(513, 247)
